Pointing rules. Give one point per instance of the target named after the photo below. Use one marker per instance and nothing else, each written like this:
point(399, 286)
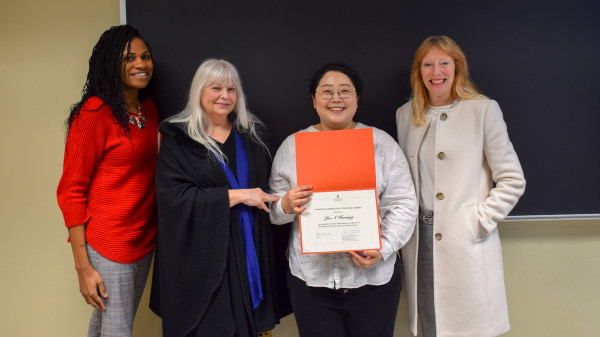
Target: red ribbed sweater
point(108, 182)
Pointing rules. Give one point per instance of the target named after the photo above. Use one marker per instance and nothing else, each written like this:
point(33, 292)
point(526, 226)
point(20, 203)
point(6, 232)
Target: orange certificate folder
point(338, 161)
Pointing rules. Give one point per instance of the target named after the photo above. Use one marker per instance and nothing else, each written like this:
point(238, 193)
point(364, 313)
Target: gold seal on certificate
point(340, 221)
point(342, 214)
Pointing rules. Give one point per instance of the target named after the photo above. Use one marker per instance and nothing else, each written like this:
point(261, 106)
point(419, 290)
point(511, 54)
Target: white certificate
point(340, 221)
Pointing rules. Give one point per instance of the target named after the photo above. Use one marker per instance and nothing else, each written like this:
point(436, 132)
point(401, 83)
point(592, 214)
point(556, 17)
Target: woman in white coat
point(457, 146)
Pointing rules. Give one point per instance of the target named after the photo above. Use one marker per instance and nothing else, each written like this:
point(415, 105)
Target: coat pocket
point(479, 233)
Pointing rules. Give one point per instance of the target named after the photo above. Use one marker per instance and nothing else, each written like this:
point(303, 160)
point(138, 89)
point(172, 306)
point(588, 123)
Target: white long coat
point(469, 294)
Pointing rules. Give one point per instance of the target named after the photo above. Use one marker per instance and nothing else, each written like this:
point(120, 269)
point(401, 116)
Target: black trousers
point(365, 311)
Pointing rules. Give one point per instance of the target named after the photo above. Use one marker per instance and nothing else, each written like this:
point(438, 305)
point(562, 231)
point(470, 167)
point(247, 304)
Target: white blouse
point(397, 210)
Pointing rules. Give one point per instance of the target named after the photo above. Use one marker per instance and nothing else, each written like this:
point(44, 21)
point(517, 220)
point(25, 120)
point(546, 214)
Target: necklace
point(137, 119)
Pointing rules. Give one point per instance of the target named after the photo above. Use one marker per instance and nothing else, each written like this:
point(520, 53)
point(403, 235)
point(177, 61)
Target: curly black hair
point(105, 72)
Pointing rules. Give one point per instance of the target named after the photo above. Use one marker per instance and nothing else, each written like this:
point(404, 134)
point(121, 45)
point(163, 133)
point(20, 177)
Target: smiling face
point(335, 113)
point(218, 101)
point(138, 66)
point(437, 71)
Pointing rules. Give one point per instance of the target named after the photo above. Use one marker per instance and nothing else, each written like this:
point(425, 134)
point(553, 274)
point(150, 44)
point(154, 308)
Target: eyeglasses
point(327, 93)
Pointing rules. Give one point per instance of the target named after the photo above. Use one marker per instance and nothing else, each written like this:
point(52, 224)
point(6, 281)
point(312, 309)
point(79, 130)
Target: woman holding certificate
point(213, 272)
point(352, 293)
point(468, 178)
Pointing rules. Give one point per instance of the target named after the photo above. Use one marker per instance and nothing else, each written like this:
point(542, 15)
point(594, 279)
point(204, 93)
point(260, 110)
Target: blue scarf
point(246, 220)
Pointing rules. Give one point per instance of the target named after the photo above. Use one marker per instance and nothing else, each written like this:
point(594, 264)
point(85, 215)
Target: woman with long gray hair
point(213, 272)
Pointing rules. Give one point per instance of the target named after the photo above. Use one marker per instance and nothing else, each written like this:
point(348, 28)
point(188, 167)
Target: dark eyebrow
point(132, 53)
point(331, 85)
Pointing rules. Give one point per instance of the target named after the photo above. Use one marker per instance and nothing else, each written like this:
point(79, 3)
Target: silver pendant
point(138, 120)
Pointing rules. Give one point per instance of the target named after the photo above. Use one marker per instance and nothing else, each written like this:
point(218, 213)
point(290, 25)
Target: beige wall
point(552, 268)
point(552, 273)
point(44, 50)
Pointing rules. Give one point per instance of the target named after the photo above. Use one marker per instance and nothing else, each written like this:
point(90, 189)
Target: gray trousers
point(124, 283)
point(425, 302)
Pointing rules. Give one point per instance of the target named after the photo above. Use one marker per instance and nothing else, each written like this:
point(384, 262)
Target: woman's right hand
point(90, 285)
point(254, 197)
point(90, 281)
point(295, 199)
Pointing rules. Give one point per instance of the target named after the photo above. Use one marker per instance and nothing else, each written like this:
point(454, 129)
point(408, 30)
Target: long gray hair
point(199, 126)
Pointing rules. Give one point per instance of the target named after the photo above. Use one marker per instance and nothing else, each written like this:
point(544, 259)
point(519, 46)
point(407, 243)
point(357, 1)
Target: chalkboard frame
point(538, 59)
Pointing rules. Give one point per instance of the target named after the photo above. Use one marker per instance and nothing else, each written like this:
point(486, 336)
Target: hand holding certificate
point(342, 214)
point(340, 221)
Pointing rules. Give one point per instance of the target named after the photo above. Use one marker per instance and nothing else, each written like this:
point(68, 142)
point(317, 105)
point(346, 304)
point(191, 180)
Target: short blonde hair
point(462, 87)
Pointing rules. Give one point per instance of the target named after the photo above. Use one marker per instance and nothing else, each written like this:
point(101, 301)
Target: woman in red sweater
point(106, 192)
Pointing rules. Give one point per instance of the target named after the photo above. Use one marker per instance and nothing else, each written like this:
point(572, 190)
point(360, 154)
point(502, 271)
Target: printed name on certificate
point(340, 221)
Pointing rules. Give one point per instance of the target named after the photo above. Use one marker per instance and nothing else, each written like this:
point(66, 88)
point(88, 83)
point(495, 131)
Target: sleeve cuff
point(278, 216)
point(73, 221)
point(386, 250)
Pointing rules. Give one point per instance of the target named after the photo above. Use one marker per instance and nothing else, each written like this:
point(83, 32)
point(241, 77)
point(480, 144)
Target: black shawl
point(200, 283)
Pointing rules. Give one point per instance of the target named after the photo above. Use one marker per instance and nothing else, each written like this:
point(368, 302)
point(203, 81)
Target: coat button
point(440, 196)
point(438, 236)
point(443, 116)
point(441, 155)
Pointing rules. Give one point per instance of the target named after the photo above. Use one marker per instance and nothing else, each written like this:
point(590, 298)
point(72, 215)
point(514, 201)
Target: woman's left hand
point(368, 260)
point(254, 197)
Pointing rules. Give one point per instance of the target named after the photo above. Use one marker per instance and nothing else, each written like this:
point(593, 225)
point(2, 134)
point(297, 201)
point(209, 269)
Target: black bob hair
point(342, 68)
